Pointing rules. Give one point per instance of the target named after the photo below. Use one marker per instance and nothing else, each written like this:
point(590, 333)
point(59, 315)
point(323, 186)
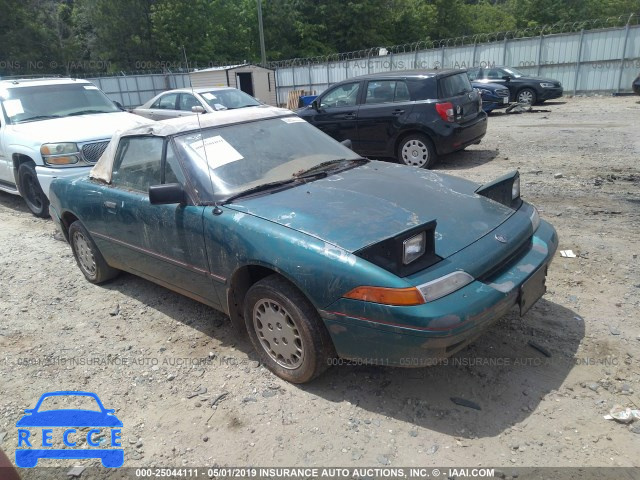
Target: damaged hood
point(367, 204)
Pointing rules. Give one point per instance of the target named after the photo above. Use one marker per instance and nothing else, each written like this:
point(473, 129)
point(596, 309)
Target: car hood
point(367, 204)
point(81, 128)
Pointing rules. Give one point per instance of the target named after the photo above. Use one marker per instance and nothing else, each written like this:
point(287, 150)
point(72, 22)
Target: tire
point(89, 259)
point(416, 150)
point(527, 95)
point(275, 306)
point(31, 190)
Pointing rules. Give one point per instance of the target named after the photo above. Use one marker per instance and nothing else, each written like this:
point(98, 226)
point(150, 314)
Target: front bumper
point(424, 334)
point(550, 93)
point(46, 175)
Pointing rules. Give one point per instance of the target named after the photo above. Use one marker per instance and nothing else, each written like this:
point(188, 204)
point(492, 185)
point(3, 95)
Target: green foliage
point(87, 36)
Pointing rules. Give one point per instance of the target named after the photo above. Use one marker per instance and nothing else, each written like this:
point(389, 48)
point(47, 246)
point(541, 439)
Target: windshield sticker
point(90, 87)
point(217, 151)
point(219, 106)
point(293, 120)
point(13, 107)
point(209, 96)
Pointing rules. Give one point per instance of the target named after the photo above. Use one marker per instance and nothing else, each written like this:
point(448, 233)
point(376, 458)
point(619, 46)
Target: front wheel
point(91, 262)
point(526, 95)
point(286, 330)
point(416, 150)
point(31, 190)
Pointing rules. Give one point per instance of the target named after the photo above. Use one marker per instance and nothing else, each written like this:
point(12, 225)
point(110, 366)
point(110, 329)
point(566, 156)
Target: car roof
point(30, 82)
point(441, 72)
point(197, 90)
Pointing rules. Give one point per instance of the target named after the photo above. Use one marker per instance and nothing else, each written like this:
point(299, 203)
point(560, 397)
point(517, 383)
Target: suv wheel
point(526, 95)
point(31, 190)
point(416, 150)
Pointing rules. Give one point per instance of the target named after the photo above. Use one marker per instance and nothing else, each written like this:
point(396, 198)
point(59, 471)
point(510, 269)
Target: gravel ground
point(190, 392)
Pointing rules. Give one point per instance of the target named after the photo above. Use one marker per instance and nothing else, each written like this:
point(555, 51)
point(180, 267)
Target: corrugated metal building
point(257, 81)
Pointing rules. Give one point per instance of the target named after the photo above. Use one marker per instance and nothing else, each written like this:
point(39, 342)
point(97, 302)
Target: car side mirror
point(167, 194)
point(347, 143)
point(315, 105)
point(198, 109)
point(118, 104)
point(506, 78)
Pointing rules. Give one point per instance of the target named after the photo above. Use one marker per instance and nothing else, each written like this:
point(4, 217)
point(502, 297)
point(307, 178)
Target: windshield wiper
point(299, 180)
point(38, 117)
point(87, 112)
point(331, 165)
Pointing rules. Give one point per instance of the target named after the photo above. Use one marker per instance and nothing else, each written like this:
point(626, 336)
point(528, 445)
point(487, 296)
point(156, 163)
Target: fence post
point(328, 74)
point(475, 47)
point(504, 51)
point(442, 57)
point(575, 82)
point(540, 52)
point(415, 57)
point(310, 80)
point(624, 52)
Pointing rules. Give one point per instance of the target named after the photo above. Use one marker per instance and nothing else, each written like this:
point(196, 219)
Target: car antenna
point(216, 209)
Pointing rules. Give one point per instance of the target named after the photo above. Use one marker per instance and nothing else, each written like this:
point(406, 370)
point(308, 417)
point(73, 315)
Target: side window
point(473, 74)
point(187, 101)
point(380, 91)
point(495, 74)
point(166, 102)
point(342, 96)
point(402, 92)
point(138, 163)
point(172, 170)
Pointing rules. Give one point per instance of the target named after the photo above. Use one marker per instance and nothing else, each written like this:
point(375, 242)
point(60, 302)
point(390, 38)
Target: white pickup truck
point(53, 127)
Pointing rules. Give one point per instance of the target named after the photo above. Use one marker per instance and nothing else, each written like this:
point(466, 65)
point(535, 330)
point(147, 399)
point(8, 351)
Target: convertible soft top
point(102, 169)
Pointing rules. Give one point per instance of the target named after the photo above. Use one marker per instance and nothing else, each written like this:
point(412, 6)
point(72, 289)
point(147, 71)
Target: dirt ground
point(190, 392)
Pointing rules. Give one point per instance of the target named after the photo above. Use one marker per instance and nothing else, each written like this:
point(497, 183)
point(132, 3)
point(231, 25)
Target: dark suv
point(412, 116)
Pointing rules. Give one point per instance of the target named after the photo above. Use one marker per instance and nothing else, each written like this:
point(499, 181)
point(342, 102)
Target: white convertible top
point(104, 166)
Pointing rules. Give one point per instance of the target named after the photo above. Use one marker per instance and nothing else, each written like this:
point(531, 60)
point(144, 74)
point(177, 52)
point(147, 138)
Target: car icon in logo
point(100, 421)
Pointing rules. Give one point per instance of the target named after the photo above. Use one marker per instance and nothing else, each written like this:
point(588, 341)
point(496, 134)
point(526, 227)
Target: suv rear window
point(454, 85)
point(422, 88)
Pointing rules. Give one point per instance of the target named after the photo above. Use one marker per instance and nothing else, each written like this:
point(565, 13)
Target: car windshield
point(225, 161)
point(42, 102)
point(66, 402)
point(514, 72)
point(228, 99)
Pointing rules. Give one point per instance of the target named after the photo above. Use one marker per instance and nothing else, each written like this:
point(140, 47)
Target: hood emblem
point(501, 238)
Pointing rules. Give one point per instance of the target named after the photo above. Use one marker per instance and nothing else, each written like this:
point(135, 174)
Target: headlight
point(413, 248)
point(535, 219)
point(444, 285)
point(515, 188)
point(547, 85)
point(60, 153)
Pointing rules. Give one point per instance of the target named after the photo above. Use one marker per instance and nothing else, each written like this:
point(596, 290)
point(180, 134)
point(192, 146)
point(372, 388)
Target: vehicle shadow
point(14, 202)
point(500, 372)
point(465, 159)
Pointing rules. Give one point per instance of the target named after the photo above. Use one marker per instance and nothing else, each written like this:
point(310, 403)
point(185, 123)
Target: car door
point(186, 101)
point(385, 109)
point(499, 76)
point(162, 242)
point(337, 112)
point(6, 173)
point(164, 107)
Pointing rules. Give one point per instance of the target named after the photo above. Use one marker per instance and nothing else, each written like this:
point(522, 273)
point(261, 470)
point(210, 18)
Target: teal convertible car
point(317, 253)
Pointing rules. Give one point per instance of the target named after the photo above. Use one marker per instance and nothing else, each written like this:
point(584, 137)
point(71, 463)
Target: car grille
point(93, 151)
point(502, 93)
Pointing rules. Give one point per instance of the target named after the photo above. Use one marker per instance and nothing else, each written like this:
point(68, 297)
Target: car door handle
point(109, 204)
point(349, 116)
point(397, 112)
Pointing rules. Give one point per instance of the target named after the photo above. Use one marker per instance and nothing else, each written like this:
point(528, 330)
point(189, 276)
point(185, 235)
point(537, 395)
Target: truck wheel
point(91, 262)
point(31, 191)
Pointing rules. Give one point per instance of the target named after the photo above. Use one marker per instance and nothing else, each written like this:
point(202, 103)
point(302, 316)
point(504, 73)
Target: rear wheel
point(91, 262)
point(286, 330)
point(416, 150)
point(526, 95)
point(31, 190)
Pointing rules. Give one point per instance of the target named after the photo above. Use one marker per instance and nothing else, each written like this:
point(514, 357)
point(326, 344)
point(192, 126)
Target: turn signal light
point(387, 296)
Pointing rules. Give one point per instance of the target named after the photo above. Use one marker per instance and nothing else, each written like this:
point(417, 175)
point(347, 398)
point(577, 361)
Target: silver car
point(187, 101)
